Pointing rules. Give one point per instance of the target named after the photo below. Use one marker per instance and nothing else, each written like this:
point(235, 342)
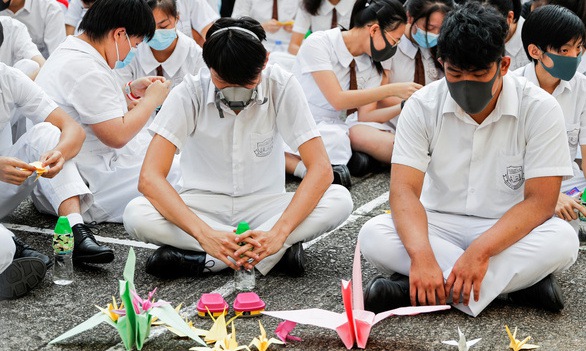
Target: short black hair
point(551, 27)
point(106, 15)
point(472, 37)
point(504, 6)
point(169, 7)
point(237, 57)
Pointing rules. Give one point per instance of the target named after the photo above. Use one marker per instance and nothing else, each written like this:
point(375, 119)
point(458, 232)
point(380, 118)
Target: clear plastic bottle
point(63, 252)
point(279, 47)
point(244, 279)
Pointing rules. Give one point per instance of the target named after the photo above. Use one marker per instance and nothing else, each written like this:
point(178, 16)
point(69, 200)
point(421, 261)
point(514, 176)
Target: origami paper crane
point(517, 345)
point(353, 326)
point(134, 316)
point(40, 169)
point(227, 343)
point(462, 344)
point(262, 343)
point(283, 330)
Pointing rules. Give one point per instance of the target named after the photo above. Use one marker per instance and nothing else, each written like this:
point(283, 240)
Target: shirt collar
point(529, 73)
point(407, 47)
point(147, 60)
point(507, 103)
point(515, 44)
point(363, 62)
point(343, 7)
point(74, 43)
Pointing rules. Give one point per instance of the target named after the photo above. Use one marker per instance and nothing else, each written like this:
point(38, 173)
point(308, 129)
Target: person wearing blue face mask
point(553, 38)
point(81, 78)
point(342, 77)
point(477, 166)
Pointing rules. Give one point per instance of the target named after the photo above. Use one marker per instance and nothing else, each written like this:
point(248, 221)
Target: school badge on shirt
point(264, 147)
point(514, 177)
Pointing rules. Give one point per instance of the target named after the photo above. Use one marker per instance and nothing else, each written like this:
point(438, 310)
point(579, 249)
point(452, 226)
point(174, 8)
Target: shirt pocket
point(573, 130)
point(261, 145)
point(510, 179)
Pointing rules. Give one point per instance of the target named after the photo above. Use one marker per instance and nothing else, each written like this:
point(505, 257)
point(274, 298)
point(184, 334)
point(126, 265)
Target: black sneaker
point(293, 261)
point(86, 249)
point(23, 275)
point(23, 250)
point(342, 176)
point(168, 262)
point(361, 164)
point(383, 294)
point(545, 294)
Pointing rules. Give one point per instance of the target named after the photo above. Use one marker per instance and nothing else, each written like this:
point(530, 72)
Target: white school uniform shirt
point(402, 64)
point(17, 44)
point(323, 20)
point(262, 11)
point(185, 59)
point(74, 15)
point(239, 154)
point(480, 170)
point(514, 48)
point(45, 23)
point(571, 95)
point(18, 92)
point(196, 14)
point(326, 51)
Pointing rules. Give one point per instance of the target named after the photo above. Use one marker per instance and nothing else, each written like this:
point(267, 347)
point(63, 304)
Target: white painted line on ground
point(190, 311)
point(102, 239)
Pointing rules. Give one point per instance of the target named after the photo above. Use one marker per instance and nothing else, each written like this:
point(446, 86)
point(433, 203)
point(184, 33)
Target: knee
point(340, 199)
point(134, 217)
point(46, 131)
point(369, 235)
point(7, 249)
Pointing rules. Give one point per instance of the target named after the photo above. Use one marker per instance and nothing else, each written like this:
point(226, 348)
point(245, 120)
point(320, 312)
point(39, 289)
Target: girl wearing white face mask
point(170, 53)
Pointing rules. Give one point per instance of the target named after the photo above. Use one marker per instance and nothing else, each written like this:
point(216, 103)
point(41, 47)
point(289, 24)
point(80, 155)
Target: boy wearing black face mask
point(492, 150)
point(230, 123)
point(554, 41)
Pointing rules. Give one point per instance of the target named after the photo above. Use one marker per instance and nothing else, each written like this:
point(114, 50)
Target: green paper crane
point(134, 321)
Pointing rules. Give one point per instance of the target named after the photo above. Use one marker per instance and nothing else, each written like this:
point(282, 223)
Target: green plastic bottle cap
point(583, 195)
point(242, 227)
point(62, 226)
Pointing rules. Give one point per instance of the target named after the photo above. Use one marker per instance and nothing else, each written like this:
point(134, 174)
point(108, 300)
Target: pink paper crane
point(354, 325)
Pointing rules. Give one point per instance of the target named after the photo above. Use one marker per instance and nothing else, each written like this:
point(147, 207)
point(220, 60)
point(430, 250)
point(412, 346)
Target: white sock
point(214, 265)
point(300, 171)
point(74, 218)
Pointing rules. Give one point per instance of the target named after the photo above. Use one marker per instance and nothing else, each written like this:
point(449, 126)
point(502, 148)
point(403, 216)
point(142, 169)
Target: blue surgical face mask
point(121, 64)
point(162, 39)
point(564, 67)
point(425, 39)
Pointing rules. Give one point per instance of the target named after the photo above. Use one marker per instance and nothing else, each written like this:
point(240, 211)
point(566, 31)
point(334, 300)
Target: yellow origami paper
point(109, 310)
point(40, 169)
point(262, 343)
point(517, 345)
point(228, 343)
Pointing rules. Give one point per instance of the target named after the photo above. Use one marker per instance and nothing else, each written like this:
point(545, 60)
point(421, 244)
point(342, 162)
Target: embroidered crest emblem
point(573, 137)
point(264, 147)
point(514, 177)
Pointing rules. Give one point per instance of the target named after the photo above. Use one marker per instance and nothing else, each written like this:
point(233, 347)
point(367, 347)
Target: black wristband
point(403, 104)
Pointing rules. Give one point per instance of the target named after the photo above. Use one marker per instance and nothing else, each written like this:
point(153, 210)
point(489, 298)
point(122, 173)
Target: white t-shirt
point(480, 170)
point(74, 15)
point(196, 14)
point(239, 154)
point(80, 81)
point(402, 64)
point(185, 59)
point(514, 48)
point(262, 11)
point(17, 43)
point(45, 23)
point(18, 92)
point(571, 95)
point(326, 51)
point(323, 20)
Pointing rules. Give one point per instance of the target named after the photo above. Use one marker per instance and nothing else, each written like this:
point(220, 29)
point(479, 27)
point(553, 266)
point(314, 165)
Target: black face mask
point(381, 55)
point(1, 33)
point(4, 5)
point(473, 96)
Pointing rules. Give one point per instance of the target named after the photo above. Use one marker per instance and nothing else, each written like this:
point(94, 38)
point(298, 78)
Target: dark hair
point(106, 15)
point(472, 37)
point(169, 7)
point(551, 27)
point(389, 14)
point(88, 3)
point(1, 33)
point(504, 6)
point(424, 9)
point(236, 56)
point(311, 6)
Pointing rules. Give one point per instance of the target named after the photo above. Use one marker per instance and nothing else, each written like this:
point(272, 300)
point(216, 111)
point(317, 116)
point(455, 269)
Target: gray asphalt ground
point(31, 322)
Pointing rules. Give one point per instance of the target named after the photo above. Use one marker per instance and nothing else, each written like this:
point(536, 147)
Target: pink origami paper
point(353, 326)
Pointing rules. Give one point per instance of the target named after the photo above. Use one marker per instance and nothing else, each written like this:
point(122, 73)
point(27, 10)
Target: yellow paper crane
point(262, 343)
point(227, 343)
point(517, 345)
point(109, 310)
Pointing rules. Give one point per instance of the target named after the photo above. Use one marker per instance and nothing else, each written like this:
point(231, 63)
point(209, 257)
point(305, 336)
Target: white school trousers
point(550, 248)
point(29, 148)
point(223, 212)
point(7, 248)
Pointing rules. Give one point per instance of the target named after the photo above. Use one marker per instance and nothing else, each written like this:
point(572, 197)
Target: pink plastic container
point(248, 304)
point(214, 303)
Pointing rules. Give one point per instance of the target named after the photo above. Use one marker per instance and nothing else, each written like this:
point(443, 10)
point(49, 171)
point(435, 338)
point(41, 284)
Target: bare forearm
point(410, 221)
point(380, 115)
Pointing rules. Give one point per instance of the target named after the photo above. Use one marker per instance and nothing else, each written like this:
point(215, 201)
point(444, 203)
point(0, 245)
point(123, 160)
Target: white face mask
point(236, 98)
